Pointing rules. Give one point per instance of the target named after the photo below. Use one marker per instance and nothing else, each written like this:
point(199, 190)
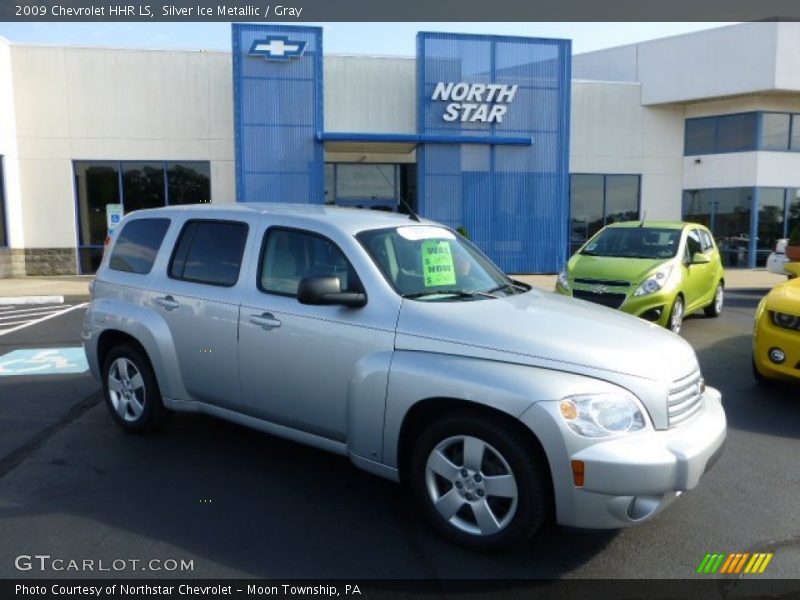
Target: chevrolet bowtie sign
point(278, 47)
point(474, 102)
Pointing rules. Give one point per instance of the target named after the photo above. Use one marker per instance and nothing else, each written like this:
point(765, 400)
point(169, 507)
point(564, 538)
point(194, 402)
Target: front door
point(697, 277)
point(299, 363)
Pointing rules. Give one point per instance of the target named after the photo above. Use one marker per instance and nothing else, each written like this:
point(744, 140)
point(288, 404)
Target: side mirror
point(698, 258)
point(793, 268)
point(327, 291)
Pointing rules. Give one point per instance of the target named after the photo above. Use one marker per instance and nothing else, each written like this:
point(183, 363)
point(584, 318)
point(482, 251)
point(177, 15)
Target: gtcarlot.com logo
point(45, 562)
point(734, 564)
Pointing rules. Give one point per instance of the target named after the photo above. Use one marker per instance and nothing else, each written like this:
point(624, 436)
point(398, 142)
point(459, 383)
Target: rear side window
point(137, 245)
point(209, 252)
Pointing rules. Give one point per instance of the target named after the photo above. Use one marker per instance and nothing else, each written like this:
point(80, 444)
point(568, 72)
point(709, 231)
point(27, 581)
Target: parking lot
point(237, 503)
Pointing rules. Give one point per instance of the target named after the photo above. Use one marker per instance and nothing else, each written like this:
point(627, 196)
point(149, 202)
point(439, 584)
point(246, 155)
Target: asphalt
point(239, 503)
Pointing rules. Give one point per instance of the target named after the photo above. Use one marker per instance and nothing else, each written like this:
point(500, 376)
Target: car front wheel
point(131, 390)
point(480, 483)
point(676, 315)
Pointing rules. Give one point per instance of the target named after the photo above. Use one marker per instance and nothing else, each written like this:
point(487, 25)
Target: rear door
point(198, 297)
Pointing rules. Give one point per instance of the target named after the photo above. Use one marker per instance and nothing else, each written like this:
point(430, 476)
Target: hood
point(634, 270)
point(548, 330)
point(785, 297)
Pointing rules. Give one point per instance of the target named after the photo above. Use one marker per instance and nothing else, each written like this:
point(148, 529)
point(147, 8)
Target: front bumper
point(652, 307)
point(767, 335)
point(629, 479)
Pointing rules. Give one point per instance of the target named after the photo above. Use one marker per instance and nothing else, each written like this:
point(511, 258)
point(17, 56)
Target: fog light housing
point(777, 355)
point(654, 314)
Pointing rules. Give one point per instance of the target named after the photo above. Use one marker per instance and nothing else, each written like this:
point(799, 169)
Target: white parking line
point(31, 312)
point(45, 318)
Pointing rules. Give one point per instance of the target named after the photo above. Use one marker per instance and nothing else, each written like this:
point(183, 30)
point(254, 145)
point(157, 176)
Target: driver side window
point(288, 256)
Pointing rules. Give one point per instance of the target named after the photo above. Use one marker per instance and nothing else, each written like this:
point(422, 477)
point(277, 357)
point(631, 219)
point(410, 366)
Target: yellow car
point(776, 337)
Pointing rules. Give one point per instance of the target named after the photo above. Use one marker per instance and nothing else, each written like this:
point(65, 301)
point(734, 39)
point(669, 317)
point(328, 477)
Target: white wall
point(611, 133)
point(748, 58)
point(8, 149)
point(369, 94)
point(102, 104)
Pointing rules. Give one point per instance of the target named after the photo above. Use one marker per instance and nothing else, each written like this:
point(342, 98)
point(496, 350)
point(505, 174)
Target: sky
point(380, 39)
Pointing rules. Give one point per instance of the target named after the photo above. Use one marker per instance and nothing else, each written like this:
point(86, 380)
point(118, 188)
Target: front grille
point(606, 282)
point(684, 398)
point(604, 298)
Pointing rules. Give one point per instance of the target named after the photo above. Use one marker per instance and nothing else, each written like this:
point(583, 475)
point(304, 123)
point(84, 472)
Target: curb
point(16, 300)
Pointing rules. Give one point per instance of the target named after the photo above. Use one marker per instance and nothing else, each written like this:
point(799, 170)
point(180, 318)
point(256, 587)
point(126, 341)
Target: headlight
point(786, 321)
point(563, 280)
point(655, 282)
point(602, 415)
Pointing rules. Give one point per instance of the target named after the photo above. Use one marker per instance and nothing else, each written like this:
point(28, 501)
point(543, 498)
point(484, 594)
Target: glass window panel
point(774, 131)
point(697, 206)
point(375, 182)
point(732, 224)
point(770, 221)
point(793, 199)
point(794, 143)
point(137, 246)
point(96, 185)
point(209, 252)
point(701, 136)
point(586, 201)
point(622, 198)
point(736, 133)
point(3, 228)
point(189, 182)
point(142, 185)
point(89, 260)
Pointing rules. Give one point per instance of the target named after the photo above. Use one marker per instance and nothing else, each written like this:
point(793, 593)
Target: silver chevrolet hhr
point(396, 342)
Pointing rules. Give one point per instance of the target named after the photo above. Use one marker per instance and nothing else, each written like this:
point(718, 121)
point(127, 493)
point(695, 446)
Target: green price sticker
point(437, 263)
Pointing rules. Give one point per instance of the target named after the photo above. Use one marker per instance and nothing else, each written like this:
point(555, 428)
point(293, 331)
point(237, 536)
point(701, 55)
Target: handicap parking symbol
point(43, 361)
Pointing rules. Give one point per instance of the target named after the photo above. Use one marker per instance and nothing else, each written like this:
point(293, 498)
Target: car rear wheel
point(480, 483)
point(131, 390)
point(715, 308)
point(675, 321)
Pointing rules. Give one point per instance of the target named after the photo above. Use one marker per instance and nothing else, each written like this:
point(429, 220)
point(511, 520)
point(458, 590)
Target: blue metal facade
point(513, 200)
point(277, 115)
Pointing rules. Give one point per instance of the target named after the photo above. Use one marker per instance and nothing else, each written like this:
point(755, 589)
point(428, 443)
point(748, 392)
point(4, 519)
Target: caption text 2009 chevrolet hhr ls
point(396, 342)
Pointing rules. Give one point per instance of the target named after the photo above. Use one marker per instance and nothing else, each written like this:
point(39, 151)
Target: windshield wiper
point(507, 285)
point(458, 293)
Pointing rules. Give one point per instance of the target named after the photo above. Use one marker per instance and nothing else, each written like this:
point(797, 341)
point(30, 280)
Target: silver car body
point(776, 261)
point(345, 379)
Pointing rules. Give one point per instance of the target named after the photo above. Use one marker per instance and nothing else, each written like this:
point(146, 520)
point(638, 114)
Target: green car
point(659, 271)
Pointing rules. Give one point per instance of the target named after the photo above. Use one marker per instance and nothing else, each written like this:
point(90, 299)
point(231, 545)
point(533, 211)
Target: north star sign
point(474, 102)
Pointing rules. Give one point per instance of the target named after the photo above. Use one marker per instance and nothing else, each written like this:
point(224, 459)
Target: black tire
point(532, 507)
point(677, 305)
point(713, 310)
point(142, 410)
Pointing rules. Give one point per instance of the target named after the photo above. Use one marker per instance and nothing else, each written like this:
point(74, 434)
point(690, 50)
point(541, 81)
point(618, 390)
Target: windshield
point(634, 242)
point(432, 263)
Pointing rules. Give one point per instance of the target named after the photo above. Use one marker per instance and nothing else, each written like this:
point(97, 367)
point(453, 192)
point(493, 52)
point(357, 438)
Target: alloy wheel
point(471, 485)
point(126, 389)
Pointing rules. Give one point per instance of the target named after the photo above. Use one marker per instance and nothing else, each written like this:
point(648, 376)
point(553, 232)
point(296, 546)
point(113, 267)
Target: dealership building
point(526, 147)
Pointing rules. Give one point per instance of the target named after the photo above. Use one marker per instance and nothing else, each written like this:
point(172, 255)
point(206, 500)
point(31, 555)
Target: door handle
point(265, 320)
point(167, 302)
